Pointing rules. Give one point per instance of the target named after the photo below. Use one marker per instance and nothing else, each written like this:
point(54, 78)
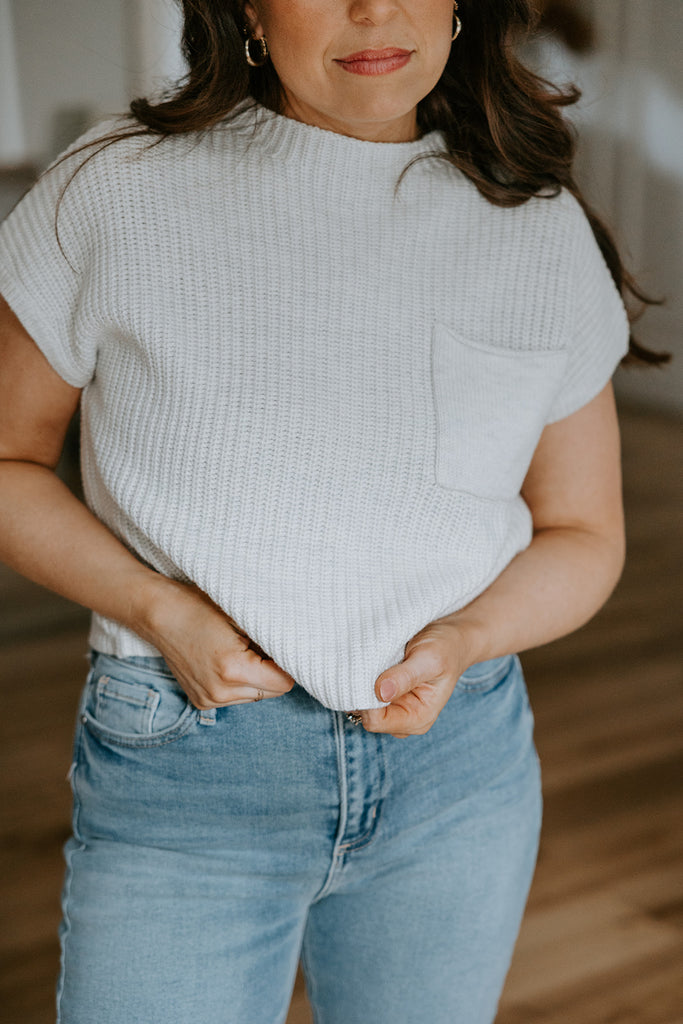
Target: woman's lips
point(375, 62)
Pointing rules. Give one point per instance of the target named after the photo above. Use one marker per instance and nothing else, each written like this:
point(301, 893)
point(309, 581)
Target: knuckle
point(433, 657)
point(438, 662)
point(375, 727)
point(418, 729)
point(225, 668)
point(203, 704)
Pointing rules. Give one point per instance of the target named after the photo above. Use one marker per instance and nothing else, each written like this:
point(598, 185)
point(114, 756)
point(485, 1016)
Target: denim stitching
point(66, 932)
point(479, 682)
point(337, 851)
point(132, 741)
point(131, 666)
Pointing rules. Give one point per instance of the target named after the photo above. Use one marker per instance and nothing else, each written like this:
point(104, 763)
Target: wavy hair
point(503, 124)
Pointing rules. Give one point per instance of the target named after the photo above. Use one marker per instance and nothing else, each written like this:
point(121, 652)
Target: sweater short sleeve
point(598, 327)
point(46, 243)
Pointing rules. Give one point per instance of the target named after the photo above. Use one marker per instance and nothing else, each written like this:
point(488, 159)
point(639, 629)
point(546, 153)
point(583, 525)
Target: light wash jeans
point(212, 850)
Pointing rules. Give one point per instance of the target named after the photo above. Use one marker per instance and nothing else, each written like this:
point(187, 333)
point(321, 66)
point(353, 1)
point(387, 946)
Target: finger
point(409, 713)
point(230, 695)
point(418, 666)
point(414, 713)
point(259, 695)
point(393, 723)
point(260, 673)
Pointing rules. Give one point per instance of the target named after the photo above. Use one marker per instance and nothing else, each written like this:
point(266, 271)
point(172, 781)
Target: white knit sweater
point(312, 394)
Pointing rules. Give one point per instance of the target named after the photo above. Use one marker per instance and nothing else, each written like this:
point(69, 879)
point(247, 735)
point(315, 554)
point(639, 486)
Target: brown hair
point(502, 123)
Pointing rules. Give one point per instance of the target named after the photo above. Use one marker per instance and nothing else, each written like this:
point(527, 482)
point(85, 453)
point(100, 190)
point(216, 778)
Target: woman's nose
point(372, 12)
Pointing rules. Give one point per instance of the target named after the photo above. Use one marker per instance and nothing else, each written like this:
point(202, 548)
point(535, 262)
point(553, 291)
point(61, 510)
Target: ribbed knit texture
point(312, 394)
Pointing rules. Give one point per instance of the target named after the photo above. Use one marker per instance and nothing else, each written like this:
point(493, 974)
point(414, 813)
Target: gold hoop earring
point(458, 23)
point(261, 40)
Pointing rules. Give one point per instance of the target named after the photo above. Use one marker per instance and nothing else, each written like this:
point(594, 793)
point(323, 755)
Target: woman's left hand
point(435, 658)
point(573, 491)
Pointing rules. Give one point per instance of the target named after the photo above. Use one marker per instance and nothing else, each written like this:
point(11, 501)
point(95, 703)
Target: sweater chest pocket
point(491, 405)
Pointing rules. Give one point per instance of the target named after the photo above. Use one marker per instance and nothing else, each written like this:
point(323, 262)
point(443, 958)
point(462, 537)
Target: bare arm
point(49, 536)
point(573, 489)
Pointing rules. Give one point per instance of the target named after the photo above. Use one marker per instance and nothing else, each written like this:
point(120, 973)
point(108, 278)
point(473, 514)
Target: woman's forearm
point(552, 588)
point(49, 536)
point(546, 591)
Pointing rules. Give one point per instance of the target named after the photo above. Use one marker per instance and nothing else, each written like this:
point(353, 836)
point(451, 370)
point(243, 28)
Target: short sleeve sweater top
point(311, 392)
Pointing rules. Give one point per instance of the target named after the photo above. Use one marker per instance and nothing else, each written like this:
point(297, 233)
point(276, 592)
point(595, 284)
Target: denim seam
point(110, 691)
point(145, 669)
point(530, 747)
point(482, 678)
point(311, 991)
point(337, 851)
point(67, 927)
point(514, 765)
point(362, 841)
point(481, 682)
point(76, 762)
point(142, 742)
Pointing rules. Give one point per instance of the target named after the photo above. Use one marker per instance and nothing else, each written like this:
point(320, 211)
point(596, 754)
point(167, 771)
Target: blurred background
point(603, 937)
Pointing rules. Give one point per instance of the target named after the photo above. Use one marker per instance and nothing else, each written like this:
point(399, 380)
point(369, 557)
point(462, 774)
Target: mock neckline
point(287, 139)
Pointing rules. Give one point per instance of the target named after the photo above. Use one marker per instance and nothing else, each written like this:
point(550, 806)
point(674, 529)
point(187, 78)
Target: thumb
point(401, 678)
point(263, 672)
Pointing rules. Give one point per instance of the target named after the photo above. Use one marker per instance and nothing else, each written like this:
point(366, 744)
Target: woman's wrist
point(473, 638)
point(153, 596)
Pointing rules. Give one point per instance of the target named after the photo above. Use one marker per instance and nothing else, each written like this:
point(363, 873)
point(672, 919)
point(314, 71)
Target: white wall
point(13, 149)
point(631, 164)
point(155, 29)
point(649, 183)
point(71, 56)
point(87, 57)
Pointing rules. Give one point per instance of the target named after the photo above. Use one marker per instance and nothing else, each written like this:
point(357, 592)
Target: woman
point(349, 444)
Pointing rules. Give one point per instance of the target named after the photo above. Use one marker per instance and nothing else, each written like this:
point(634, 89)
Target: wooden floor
point(602, 941)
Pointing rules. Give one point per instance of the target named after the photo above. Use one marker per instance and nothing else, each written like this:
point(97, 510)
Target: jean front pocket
point(134, 705)
point(491, 405)
point(487, 675)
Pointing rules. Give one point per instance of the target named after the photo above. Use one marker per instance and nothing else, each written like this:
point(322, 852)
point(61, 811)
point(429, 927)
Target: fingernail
point(387, 690)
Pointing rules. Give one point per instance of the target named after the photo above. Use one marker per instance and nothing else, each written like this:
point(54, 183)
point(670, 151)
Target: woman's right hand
point(210, 656)
point(47, 534)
